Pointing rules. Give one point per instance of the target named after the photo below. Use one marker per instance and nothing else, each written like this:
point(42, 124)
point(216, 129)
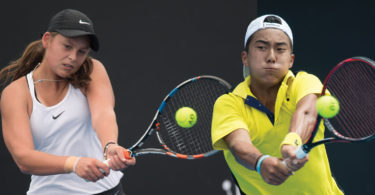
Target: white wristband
point(75, 164)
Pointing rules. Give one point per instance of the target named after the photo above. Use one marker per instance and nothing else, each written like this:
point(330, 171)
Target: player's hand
point(117, 159)
point(91, 169)
point(292, 163)
point(273, 171)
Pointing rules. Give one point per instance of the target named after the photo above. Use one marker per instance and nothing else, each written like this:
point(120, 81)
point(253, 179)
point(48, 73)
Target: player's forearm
point(243, 150)
point(304, 117)
point(246, 155)
point(105, 125)
point(39, 163)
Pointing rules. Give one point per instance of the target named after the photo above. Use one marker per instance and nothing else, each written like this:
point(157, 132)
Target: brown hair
point(33, 55)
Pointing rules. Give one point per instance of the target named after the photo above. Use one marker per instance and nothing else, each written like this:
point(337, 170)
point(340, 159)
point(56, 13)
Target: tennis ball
point(327, 106)
point(186, 117)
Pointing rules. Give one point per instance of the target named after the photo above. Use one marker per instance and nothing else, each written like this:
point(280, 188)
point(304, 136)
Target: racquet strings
point(353, 84)
point(200, 95)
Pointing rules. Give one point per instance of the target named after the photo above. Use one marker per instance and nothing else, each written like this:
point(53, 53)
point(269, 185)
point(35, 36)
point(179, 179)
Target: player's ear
point(292, 56)
point(244, 58)
point(46, 38)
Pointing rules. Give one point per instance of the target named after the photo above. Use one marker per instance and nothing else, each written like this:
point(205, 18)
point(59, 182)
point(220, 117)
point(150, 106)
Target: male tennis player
point(269, 115)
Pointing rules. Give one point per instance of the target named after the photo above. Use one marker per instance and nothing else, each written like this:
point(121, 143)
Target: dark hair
point(268, 19)
point(272, 19)
point(33, 55)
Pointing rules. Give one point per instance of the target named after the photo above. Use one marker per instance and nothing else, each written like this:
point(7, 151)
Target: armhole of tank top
point(36, 97)
point(34, 91)
point(27, 82)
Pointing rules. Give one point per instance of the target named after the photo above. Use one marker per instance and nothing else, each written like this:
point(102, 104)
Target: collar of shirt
point(243, 91)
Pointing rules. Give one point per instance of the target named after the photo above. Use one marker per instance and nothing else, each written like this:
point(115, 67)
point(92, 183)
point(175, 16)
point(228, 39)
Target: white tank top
point(65, 129)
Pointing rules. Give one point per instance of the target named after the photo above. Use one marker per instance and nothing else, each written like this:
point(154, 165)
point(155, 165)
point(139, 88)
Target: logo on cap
point(271, 25)
point(83, 22)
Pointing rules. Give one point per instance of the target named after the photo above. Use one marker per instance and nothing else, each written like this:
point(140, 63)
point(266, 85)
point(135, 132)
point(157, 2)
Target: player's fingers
point(304, 159)
point(276, 179)
point(292, 166)
point(120, 153)
point(97, 170)
point(93, 178)
point(112, 164)
point(90, 175)
point(130, 161)
point(285, 168)
point(297, 164)
point(116, 163)
point(282, 175)
point(104, 168)
point(288, 151)
point(285, 172)
point(278, 175)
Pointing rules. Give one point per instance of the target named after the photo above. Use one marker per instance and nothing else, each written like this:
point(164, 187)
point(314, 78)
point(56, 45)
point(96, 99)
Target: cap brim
point(94, 42)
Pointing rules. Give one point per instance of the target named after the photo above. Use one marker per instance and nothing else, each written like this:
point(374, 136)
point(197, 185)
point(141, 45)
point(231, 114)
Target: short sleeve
point(226, 118)
point(305, 84)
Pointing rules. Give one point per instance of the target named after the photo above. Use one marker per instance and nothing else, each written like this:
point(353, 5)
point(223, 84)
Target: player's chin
point(272, 80)
point(66, 74)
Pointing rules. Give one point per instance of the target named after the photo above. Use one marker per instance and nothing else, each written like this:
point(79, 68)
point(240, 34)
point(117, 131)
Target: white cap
point(259, 24)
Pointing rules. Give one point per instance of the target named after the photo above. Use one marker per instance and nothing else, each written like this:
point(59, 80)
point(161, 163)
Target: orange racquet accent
point(127, 154)
point(182, 156)
point(198, 156)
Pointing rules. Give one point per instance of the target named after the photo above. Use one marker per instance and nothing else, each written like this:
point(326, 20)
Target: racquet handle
point(100, 169)
point(127, 155)
point(106, 162)
point(300, 153)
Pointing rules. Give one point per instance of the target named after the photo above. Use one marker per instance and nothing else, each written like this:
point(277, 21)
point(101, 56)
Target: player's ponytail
point(32, 55)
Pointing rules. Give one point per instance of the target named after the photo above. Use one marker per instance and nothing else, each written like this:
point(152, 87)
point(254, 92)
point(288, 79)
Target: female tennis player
point(58, 112)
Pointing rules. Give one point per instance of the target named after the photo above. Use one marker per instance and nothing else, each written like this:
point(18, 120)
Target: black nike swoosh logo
point(55, 117)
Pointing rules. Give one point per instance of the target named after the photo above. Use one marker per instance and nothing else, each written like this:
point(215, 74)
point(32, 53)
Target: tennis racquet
point(352, 82)
point(198, 93)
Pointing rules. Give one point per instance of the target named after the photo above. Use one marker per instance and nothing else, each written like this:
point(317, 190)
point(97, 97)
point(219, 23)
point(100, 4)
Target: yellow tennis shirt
point(266, 132)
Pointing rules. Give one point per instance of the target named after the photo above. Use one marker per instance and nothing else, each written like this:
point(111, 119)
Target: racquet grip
point(106, 162)
point(126, 154)
point(300, 153)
